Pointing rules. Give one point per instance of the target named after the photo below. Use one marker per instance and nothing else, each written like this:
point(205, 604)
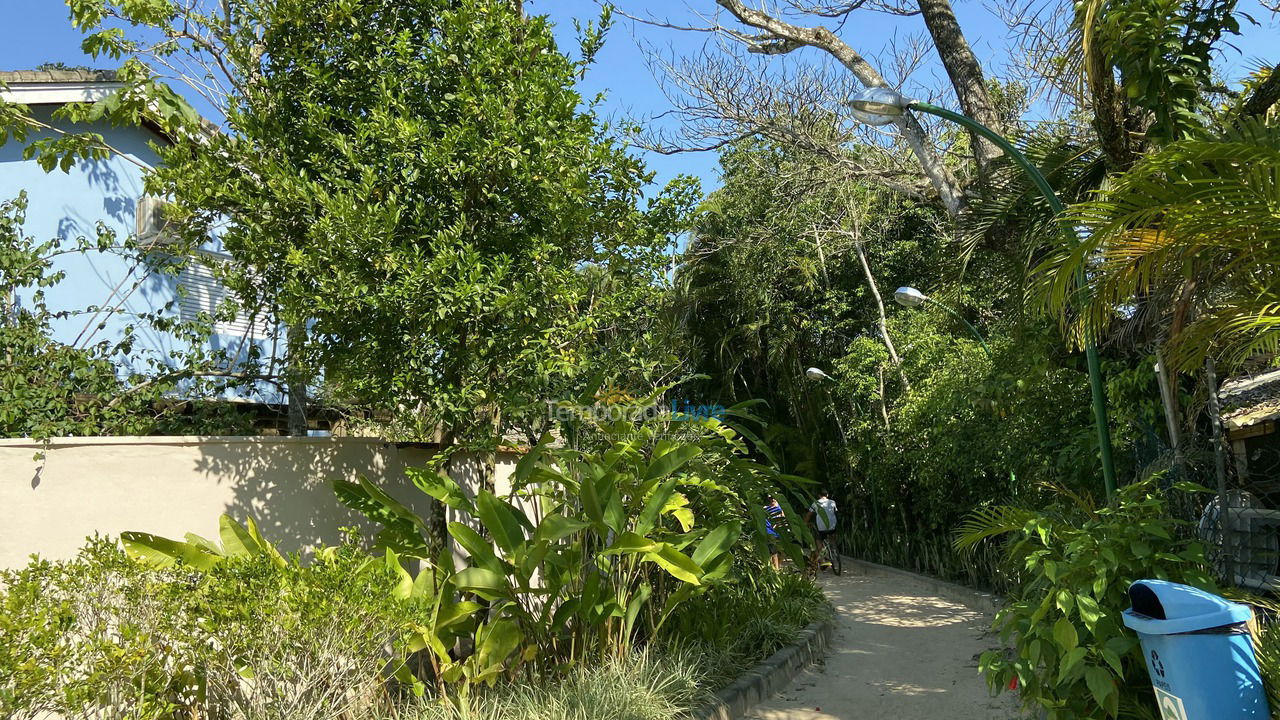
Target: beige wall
point(170, 486)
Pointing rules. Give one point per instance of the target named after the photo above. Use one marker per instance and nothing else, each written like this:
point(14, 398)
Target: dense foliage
point(590, 553)
point(255, 637)
point(582, 564)
point(921, 423)
point(418, 184)
point(1074, 563)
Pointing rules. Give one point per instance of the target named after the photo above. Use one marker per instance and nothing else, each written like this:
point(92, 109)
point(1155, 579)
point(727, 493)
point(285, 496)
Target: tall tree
point(414, 182)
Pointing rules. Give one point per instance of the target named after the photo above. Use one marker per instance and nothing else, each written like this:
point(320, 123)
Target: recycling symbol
point(1156, 665)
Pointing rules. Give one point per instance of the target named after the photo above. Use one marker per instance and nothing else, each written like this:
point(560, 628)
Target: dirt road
point(899, 652)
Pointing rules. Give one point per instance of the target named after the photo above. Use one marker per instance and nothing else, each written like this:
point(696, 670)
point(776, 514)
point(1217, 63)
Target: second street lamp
point(881, 106)
point(911, 297)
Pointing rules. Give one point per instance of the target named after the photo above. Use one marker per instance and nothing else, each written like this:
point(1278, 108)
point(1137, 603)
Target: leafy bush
point(1072, 655)
point(617, 537)
point(742, 623)
point(108, 386)
point(247, 638)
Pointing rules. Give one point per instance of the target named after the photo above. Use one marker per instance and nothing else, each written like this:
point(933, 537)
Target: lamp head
point(878, 105)
point(909, 297)
point(816, 374)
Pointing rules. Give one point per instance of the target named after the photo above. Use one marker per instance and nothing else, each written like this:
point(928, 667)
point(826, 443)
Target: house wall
point(70, 205)
point(170, 486)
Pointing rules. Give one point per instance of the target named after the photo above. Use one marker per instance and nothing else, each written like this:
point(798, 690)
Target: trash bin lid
point(1164, 608)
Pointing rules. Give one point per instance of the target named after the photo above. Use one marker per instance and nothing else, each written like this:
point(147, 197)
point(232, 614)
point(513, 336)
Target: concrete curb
point(760, 682)
point(970, 598)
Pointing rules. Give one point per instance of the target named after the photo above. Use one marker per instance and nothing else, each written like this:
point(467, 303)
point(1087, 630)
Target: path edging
point(773, 674)
point(973, 599)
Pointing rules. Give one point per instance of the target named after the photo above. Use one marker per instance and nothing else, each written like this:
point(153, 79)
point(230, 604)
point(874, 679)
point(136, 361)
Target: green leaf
point(237, 542)
point(478, 548)
point(717, 542)
point(1089, 611)
point(1070, 662)
point(1064, 634)
point(1100, 683)
point(404, 581)
point(158, 552)
point(556, 526)
point(529, 462)
point(1065, 602)
point(629, 542)
point(654, 506)
point(439, 486)
point(663, 466)
point(501, 520)
point(676, 563)
point(483, 582)
point(634, 606)
point(267, 548)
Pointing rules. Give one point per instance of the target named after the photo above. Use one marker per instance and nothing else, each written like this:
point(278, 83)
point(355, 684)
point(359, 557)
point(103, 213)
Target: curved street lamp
point(814, 373)
point(911, 297)
point(883, 105)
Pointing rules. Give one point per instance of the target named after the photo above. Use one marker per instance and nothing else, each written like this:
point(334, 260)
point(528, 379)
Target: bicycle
point(829, 558)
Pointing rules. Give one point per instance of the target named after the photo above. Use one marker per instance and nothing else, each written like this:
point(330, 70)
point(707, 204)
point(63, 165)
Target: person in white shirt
point(823, 510)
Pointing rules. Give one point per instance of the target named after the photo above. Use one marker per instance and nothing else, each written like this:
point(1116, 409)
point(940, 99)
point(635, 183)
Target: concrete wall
point(170, 486)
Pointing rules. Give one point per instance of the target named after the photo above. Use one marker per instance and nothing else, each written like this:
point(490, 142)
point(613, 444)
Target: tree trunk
point(883, 322)
point(1264, 96)
point(296, 379)
point(1111, 116)
point(1172, 413)
point(966, 76)
point(1225, 521)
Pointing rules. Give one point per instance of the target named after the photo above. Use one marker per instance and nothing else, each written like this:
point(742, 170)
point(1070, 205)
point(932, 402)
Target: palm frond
point(1204, 210)
point(989, 521)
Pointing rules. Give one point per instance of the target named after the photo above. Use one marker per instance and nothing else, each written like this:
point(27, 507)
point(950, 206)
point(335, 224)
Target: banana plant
point(621, 534)
point(238, 541)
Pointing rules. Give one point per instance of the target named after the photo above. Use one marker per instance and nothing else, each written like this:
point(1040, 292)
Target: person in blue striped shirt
point(773, 518)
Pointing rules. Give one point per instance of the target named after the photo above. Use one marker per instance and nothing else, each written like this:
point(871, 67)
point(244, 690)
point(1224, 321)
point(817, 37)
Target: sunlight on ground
point(903, 688)
point(908, 611)
point(796, 714)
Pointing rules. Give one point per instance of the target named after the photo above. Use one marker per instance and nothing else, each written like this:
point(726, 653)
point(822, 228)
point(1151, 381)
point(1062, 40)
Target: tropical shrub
point(590, 554)
point(247, 637)
point(1180, 238)
point(1072, 655)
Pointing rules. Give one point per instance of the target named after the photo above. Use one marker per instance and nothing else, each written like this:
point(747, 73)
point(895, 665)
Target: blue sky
point(38, 31)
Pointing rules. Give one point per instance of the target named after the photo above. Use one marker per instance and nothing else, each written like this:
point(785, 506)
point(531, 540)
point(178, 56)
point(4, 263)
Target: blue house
point(110, 191)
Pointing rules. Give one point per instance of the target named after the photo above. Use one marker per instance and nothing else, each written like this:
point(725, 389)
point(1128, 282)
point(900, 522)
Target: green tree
point(416, 183)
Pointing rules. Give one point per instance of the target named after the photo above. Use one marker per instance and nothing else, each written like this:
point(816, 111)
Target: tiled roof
point(57, 76)
point(1250, 400)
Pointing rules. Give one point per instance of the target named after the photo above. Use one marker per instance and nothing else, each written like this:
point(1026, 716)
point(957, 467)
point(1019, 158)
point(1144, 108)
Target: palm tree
point(1196, 223)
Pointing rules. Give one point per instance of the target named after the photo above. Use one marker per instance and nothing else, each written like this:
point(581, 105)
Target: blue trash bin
point(1198, 651)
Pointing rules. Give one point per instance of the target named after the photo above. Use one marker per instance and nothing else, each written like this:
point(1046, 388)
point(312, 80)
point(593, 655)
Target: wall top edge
point(188, 440)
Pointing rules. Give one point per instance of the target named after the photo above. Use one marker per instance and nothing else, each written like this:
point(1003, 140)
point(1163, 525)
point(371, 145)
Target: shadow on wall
point(170, 486)
point(286, 484)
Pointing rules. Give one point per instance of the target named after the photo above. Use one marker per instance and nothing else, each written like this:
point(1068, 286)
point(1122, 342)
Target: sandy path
point(899, 652)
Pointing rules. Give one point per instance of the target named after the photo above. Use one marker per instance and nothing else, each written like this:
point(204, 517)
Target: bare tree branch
point(942, 179)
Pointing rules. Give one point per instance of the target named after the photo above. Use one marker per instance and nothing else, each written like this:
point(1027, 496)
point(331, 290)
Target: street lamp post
point(911, 297)
point(881, 106)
